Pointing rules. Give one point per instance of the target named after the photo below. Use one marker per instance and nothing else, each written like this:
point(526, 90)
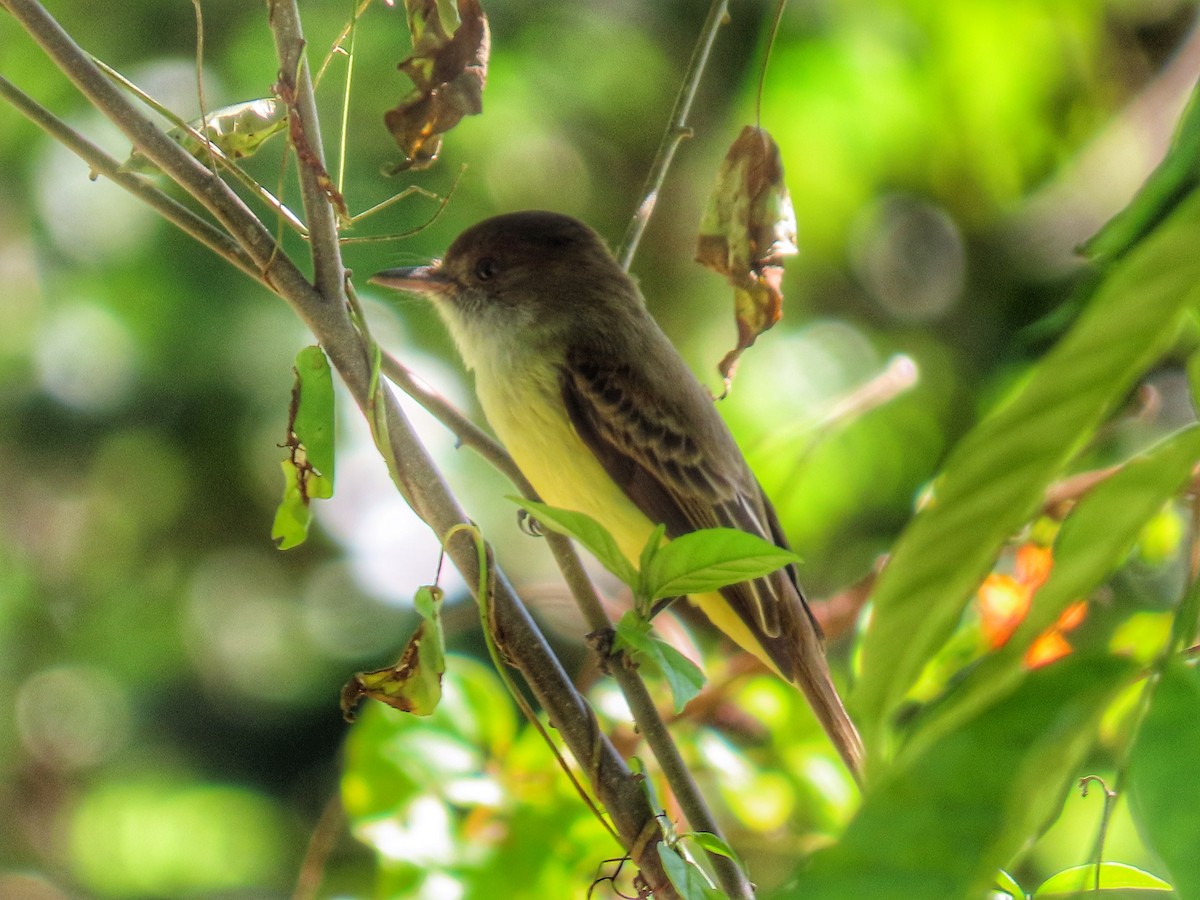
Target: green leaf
point(689, 879)
point(414, 683)
point(653, 544)
point(292, 516)
point(995, 478)
point(681, 674)
point(314, 421)
point(939, 823)
point(308, 470)
point(1163, 767)
point(1005, 883)
point(1171, 181)
point(706, 560)
point(713, 844)
point(1114, 876)
point(591, 534)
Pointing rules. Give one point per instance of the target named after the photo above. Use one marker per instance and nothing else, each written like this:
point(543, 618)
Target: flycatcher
point(603, 417)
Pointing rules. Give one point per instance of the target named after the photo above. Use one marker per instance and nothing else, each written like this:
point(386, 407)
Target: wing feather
point(646, 445)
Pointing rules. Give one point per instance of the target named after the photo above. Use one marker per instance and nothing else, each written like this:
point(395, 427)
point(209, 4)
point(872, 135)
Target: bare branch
point(99, 161)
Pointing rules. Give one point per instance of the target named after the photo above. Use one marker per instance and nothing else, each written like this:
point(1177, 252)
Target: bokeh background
point(169, 681)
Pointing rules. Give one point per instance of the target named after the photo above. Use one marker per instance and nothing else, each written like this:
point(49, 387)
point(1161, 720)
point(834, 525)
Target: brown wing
point(645, 442)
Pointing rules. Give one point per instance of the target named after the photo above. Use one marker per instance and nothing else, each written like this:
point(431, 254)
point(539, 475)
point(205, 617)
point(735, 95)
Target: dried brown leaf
point(748, 228)
point(448, 74)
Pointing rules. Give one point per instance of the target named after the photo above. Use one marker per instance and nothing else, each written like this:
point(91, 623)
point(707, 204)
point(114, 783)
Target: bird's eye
point(486, 268)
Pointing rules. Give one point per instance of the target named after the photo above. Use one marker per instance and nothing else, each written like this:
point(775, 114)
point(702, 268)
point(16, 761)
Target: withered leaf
point(448, 74)
point(414, 683)
point(748, 228)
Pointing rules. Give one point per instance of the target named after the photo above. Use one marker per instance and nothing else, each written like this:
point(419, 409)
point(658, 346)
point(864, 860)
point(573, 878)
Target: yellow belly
point(531, 421)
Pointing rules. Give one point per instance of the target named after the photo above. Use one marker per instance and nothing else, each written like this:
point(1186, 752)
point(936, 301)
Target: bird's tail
point(810, 673)
point(796, 654)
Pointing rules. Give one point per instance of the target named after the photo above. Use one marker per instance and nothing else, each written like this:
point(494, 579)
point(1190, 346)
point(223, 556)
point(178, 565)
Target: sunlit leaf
point(941, 821)
point(681, 674)
point(1164, 788)
point(994, 480)
point(689, 879)
point(414, 684)
point(308, 470)
point(448, 74)
point(313, 423)
point(237, 131)
point(1081, 881)
point(1006, 884)
point(1174, 178)
point(583, 528)
point(703, 561)
point(748, 228)
point(293, 516)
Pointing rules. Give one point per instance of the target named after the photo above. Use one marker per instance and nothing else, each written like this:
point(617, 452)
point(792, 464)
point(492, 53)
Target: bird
point(603, 416)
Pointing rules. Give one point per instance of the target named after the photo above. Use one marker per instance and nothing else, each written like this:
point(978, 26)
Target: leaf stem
point(1110, 801)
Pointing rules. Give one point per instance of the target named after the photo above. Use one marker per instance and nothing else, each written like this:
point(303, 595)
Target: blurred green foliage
point(168, 681)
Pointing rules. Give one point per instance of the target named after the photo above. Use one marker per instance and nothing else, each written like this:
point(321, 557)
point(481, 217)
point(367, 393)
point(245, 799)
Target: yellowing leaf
point(237, 131)
point(448, 74)
point(747, 230)
point(414, 683)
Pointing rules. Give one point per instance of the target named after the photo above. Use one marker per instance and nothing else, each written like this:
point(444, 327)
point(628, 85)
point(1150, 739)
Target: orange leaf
point(1072, 617)
point(1003, 603)
point(1049, 647)
point(1033, 564)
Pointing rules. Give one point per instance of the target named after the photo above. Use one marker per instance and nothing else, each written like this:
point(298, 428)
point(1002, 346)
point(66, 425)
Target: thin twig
point(341, 171)
point(468, 433)
point(1110, 801)
point(677, 130)
point(329, 274)
point(320, 844)
point(415, 474)
point(99, 161)
point(762, 73)
point(336, 47)
point(212, 159)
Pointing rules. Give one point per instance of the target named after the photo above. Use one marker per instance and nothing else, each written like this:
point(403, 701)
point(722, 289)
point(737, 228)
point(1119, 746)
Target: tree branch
point(323, 309)
point(645, 713)
point(99, 161)
point(677, 130)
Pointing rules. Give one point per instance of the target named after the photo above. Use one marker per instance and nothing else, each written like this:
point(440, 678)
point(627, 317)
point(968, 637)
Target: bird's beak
point(425, 280)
